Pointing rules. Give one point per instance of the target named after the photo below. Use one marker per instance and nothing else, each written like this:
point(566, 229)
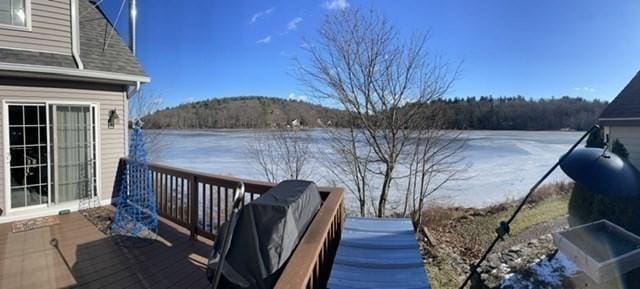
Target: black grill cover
point(265, 235)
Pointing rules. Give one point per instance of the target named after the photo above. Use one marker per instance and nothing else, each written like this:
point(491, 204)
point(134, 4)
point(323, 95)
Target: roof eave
point(51, 72)
point(619, 121)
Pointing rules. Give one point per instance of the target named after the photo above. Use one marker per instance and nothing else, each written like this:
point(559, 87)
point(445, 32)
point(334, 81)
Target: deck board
point(89, 259)
point(378, 253)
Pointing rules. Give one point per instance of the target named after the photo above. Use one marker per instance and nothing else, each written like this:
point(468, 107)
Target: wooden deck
point(87, 258)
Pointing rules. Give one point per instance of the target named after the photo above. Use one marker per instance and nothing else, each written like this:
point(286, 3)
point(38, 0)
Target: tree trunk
point(382, 203)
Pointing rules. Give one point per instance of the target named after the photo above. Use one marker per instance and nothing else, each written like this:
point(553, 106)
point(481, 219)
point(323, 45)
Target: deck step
point(378, 253)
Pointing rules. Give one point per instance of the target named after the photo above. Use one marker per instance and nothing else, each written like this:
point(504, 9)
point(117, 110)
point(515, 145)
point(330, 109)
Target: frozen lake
point(500, 164)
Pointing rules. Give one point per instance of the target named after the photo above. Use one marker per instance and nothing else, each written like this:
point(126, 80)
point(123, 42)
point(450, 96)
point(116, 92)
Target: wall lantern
point(113, 118)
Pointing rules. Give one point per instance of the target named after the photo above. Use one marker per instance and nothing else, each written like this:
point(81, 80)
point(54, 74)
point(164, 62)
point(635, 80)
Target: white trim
point(125, 97)
point(98, 160)
point(620, 118)
point(75, 34)
point(6, 162)
point(27, 20)
point(35, 50)
point(73, 72)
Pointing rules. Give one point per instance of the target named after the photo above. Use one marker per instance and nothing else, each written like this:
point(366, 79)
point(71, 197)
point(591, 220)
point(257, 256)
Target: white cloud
point(586, 89)
point(293, 24)
point(293, 96)
point(336, 4)
point(264, 40)
point(257, 15)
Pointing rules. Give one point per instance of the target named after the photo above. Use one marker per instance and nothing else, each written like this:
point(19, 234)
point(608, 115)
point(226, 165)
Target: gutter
point(619, 118)
point(73, 73)
point(75, 34)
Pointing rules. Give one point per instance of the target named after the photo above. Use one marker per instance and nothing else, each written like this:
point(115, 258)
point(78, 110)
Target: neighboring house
point(621, 120)
point(64, 83)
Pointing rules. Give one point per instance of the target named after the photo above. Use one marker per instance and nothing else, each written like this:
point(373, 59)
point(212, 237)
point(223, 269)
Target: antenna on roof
point(113, 28)
point(133, 13)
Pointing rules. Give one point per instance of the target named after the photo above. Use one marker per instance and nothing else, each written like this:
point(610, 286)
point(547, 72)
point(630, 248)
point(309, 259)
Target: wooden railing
point(202, 202)
point(310, 264)
point(197, 201)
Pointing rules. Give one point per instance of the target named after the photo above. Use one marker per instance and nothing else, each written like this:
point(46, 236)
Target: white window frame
point(5, 165)
point(27, 20)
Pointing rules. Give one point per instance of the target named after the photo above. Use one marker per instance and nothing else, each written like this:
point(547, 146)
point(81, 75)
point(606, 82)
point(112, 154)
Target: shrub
point(586, 207)
point(618, 148)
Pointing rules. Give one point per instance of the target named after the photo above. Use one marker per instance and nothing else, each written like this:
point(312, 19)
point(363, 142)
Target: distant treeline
point(519, 113)
point(503, 113)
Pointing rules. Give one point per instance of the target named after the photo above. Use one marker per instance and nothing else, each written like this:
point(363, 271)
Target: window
point(13, 12)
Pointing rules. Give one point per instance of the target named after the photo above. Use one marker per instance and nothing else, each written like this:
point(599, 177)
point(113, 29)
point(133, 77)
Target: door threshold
point(42, 212)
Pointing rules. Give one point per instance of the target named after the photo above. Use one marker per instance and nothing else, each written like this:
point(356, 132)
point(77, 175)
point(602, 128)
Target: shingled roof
point(95, 30)
point(626, 104)
point(94, 33)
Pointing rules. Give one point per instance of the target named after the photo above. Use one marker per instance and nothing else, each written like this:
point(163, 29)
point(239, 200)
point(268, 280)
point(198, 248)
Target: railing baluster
point(211, 208)
point(193, 195)
point(218, 208)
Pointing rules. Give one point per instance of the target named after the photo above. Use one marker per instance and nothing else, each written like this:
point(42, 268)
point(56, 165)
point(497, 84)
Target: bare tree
point(281, 153)
point(434, 160)
point(142, 104)
point(347, 161)
point(361, 64)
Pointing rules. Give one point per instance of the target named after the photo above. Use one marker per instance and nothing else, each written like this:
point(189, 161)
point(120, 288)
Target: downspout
point(75, 34)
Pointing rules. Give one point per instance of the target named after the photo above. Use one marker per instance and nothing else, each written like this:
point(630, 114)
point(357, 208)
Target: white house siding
point(630, 138)
point(50, 29)
point(112, 141)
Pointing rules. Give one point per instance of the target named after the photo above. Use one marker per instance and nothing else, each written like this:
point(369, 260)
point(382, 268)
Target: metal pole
point(504, 229)
point(133, 14)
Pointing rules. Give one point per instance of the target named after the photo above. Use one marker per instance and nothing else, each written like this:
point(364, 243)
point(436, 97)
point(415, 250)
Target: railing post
point(193, 206)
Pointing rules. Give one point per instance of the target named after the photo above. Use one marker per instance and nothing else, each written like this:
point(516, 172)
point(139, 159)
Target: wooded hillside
point(242, 112)
point(504, 113)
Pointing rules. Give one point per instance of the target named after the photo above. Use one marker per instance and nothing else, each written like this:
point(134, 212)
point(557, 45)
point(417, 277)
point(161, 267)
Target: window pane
point(30, 114)
point(17, 156)
point(31, 135)
point(33, 195)
point(43, 135)
point(43, 154)
point(32, 156)
point(15, 111)
point(33, 175)
point(17, 197)
point(16, 4)
point(5, 17)
point(18, 12)
point(17, 177)
point(43, 175)
point(42, 115)
point(5, 5)
point(44, 193)
point(16, 136)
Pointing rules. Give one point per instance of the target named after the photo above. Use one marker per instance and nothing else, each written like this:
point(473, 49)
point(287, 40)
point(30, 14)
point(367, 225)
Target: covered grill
point(266, 232)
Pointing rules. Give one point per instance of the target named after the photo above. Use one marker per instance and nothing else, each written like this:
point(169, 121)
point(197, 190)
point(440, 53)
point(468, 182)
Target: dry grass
point(468, 231)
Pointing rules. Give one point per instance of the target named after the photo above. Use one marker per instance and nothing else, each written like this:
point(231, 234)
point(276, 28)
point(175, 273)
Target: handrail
point(310, 264)
point(200, 202)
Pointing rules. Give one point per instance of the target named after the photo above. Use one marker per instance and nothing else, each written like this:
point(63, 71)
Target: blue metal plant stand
point(136, 217)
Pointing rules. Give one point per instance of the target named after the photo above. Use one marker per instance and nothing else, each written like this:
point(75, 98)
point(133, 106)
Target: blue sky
point(202, 49)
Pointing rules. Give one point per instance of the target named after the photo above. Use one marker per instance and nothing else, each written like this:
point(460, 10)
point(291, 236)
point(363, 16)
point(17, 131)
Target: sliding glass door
point(74, 152)
point(51, 157)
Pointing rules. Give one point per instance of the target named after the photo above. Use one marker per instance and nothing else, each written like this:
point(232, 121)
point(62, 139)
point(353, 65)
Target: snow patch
point(544, 273)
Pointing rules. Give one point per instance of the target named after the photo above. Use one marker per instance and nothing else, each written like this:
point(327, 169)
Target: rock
point(499, 264)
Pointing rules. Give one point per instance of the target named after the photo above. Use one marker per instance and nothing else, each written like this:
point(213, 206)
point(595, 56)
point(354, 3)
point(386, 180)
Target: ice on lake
point(500, 164)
